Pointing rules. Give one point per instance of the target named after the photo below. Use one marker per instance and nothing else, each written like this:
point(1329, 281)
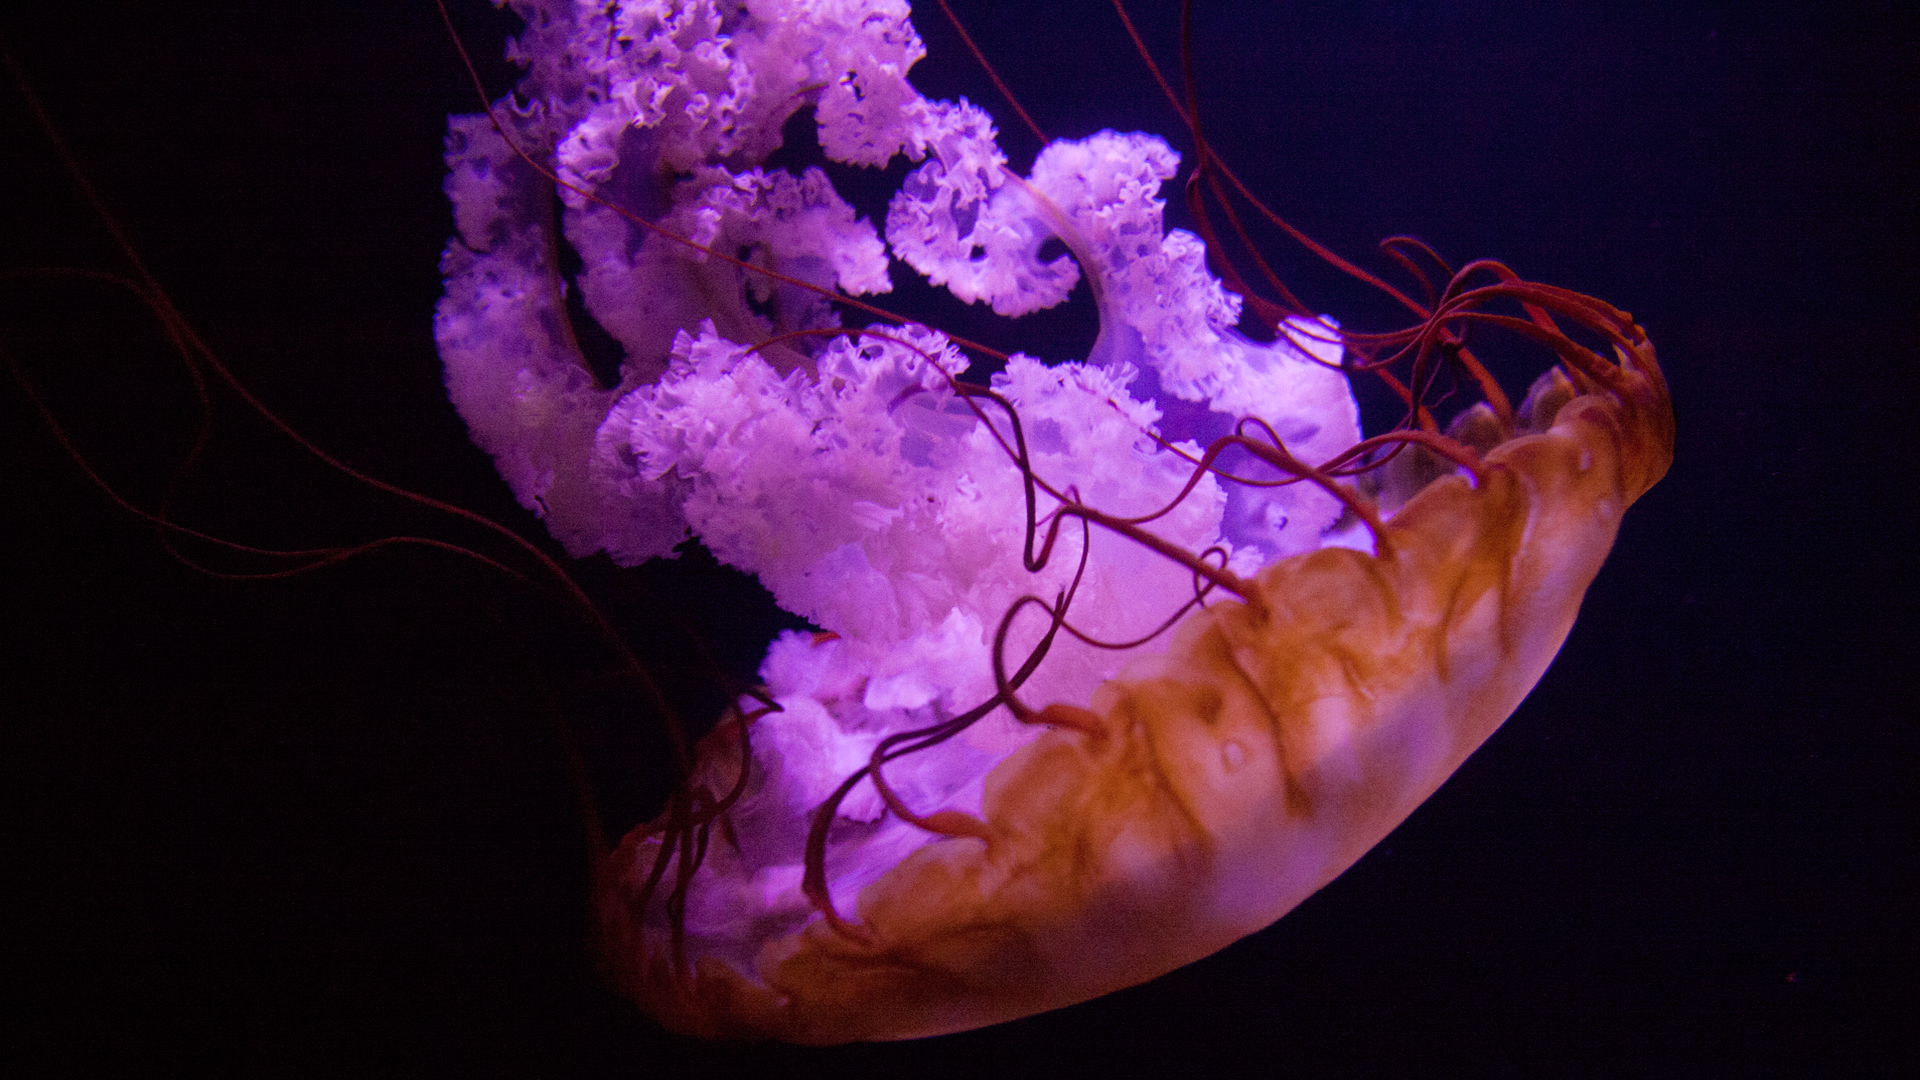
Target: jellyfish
point(1117, 658)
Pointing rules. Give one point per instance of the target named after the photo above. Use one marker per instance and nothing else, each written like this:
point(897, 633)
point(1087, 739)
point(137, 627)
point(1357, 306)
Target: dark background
point(324, 824)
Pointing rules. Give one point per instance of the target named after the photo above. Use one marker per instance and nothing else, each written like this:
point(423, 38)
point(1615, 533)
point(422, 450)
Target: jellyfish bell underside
point(1202, 782)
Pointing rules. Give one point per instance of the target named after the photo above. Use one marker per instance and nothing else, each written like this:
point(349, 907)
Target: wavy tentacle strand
point(1201, 801)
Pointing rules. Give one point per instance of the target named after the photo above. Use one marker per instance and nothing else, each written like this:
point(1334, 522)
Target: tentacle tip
point(852, 930)
point(956, 825)
point(1072, 717)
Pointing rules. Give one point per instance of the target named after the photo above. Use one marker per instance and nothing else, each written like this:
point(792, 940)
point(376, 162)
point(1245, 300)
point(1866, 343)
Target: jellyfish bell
point(1123, 657)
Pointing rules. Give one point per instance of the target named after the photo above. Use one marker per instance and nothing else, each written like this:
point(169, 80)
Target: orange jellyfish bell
point(1127, 657)
point(1199, 800)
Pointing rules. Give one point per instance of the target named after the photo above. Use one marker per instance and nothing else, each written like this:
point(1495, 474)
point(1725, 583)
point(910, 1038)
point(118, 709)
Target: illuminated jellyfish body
point(973, 551)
